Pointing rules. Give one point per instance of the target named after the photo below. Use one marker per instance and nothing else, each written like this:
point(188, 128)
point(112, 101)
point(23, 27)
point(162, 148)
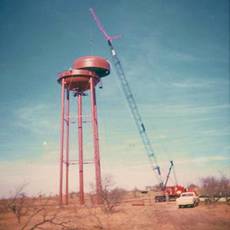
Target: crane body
point(170, 192)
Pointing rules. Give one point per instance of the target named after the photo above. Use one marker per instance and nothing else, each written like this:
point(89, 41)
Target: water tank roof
point(96, 64)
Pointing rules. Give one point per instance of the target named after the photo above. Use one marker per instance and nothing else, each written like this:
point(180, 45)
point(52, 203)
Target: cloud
point(187, 109)
point(38, 119)
point(182, 56)
point(203, 159)
point(17, 173)
point(193, 84)
point(215, 133)
point(126, 175)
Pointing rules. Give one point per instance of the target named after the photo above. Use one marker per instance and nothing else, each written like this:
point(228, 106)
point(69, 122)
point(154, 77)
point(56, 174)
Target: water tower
point(85, 74)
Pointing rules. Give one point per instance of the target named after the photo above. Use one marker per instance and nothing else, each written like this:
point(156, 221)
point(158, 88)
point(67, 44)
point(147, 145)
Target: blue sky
point(176, 58)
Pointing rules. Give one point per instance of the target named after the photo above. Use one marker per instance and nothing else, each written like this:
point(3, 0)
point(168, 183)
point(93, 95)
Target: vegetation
point(118, 209)
point(111, 196)
point(215, 188)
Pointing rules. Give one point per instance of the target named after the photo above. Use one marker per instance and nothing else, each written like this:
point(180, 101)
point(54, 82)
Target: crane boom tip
point(101, 28)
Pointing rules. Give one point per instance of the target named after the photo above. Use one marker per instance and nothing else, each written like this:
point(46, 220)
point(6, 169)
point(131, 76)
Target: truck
point(187, 199)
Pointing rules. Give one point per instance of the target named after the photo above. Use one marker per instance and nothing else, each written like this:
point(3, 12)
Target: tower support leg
point(67, 119)
point(62, 140)
point(80, 149)
point(96, 141)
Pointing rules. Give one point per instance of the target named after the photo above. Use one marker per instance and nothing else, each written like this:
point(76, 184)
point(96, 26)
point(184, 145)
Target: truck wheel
point(179, 206)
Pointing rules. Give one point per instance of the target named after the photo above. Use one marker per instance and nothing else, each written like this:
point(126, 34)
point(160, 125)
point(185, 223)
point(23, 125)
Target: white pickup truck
point(187, 199)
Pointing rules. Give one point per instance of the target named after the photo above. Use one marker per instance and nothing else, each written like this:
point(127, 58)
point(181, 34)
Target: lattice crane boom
point(167, 178)
point(131, 100)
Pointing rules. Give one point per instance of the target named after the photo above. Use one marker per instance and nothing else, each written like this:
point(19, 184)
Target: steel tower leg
point(95, 140)
point(62, 140)
point(80, 149)
point(67, 147)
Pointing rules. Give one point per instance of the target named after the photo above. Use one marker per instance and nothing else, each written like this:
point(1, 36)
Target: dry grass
point(132, 213)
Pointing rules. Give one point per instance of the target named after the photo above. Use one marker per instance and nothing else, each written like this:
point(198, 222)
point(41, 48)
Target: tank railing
point(73, 120)
point(76, 162)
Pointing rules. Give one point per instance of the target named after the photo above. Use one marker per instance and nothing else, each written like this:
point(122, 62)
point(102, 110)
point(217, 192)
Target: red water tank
point(78, 79)
point(96, 64)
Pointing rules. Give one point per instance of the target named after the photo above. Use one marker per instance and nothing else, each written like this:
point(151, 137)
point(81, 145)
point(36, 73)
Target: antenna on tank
point(101, 28)
point(100, 84)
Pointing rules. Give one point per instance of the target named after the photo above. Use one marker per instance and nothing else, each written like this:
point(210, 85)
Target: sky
point(176, 58)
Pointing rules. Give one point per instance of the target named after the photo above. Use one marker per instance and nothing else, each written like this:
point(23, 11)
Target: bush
point(112, 198)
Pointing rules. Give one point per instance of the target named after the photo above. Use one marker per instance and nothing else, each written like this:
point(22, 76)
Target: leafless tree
point(18, 203)
point(224, 186)
point(111, 195)
point(215, 188)
point(41, 214)
point(33, 213)
point(45, 217)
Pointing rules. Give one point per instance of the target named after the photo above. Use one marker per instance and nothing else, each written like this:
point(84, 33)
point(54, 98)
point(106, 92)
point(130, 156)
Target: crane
point(169, 192)
point(167, 178)
point(131, 100)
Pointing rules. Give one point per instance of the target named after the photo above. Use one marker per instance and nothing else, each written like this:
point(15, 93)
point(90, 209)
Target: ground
point(137, 213)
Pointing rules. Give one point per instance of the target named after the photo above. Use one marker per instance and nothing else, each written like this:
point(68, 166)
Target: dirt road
point(215, 217)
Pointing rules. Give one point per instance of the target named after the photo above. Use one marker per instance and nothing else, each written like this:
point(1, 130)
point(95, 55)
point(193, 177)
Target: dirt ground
point(135, 214)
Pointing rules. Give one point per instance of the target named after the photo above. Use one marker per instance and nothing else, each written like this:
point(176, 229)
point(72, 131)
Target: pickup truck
point(187, 199)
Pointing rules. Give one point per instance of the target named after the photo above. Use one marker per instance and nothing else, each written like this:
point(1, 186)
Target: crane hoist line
point(131, 100)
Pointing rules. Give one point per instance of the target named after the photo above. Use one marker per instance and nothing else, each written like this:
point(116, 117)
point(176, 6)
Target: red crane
point(131, 100)
point(170, 191)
